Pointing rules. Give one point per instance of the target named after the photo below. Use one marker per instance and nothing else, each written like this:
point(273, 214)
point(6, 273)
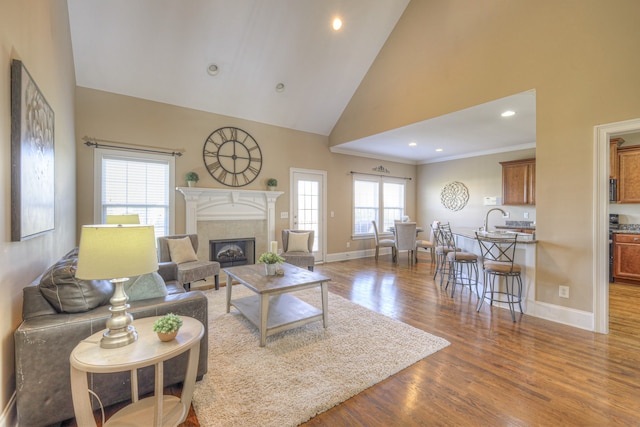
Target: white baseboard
point(559, 314)
point(9, 417)
point(343, 256)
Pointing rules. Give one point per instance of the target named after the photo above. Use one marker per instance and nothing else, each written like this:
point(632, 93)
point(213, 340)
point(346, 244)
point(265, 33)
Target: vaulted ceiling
point(165, 50)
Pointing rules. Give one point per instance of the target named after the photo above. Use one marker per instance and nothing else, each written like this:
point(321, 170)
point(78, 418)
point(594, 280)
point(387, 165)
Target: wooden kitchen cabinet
point(519, 182)
point(614, 144)
point(626, 258)
point(629, 174)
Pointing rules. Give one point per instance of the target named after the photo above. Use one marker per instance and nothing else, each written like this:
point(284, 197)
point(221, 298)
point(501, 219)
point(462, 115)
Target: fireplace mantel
point(221, 204)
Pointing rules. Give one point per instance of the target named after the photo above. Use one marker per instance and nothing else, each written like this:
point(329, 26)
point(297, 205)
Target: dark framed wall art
point(32, 158)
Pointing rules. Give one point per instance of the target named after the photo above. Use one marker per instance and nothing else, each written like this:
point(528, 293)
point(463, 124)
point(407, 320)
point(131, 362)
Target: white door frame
point(323, 214)
point(602, 134)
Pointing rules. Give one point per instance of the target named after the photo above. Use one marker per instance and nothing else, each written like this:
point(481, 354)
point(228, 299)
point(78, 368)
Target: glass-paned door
point(308, 201)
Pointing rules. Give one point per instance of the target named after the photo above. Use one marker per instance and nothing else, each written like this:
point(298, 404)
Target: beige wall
point(482, 176)
point(579, 56)
point(37, 33)
point(114, 117)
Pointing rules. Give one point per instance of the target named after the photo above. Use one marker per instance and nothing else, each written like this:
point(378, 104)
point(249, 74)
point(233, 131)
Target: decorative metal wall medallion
point(454, 196)
point(381, 169)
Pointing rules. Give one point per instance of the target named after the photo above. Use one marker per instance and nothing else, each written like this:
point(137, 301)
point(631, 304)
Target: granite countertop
point(627, 229)
point(470, 233)
point(517, 225)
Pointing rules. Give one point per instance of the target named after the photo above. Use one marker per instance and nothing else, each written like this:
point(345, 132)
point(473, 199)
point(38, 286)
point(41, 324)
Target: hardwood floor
point(495, 372)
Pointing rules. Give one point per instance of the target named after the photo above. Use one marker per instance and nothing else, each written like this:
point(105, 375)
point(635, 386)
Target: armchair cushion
point(146, 286)
point(298, 242)
point(67, 294)
point(181, 250)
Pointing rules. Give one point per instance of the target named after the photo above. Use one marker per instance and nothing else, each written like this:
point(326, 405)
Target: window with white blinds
point(378, 199)
point(136, 183)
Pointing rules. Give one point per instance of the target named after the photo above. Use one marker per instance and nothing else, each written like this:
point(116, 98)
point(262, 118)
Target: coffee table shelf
point(273, 309)
point(285, 312)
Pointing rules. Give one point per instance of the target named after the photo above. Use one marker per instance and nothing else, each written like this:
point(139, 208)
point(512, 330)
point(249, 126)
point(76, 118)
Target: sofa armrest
point(168, 271)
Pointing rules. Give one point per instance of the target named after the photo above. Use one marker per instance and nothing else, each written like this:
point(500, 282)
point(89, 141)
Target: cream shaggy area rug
point(301, 372)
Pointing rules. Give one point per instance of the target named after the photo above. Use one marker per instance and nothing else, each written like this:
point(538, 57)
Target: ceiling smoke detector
point(212, 69)
point(280, 87)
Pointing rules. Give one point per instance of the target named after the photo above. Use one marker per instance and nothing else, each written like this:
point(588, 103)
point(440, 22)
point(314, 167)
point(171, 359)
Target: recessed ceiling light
point(438, 149)
point(336, 24)
point(212, 69)
point(413, 144)
point(280, 87)
point(508, 113)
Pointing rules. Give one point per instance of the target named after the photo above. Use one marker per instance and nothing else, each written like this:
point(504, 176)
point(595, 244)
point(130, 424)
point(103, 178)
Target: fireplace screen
point(230, 252)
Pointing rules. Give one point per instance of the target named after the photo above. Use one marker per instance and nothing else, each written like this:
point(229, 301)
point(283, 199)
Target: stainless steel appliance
point(614, 224)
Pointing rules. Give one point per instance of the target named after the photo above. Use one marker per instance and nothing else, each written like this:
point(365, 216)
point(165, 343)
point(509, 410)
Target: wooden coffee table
point(273, 309)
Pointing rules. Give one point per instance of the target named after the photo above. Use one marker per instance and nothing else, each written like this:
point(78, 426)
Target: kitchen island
point(525, 257)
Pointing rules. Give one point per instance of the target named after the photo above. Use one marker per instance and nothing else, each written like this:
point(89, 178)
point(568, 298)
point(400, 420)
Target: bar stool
point(498, 254)
point(444, 245)
point(462, 267)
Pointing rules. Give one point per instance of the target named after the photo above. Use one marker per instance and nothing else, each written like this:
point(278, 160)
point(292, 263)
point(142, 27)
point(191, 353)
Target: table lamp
point(123, 219)
point(117, 252)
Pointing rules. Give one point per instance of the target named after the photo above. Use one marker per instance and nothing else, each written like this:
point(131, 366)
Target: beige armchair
point(182, 249)
point(297, 248)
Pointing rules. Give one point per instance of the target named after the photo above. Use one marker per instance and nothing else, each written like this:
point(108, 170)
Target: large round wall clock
point(232, 156)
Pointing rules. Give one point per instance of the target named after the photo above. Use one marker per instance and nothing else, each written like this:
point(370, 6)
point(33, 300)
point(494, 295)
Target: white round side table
point(147, 350)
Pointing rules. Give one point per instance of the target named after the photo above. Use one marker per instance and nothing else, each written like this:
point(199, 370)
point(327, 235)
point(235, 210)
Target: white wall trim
point(559, 314)
point(9, 417)
point(600, 232)
point(217, 204)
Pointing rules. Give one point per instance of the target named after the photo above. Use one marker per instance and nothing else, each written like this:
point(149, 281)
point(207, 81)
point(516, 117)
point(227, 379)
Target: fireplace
point(231, 252)
point(219, 213)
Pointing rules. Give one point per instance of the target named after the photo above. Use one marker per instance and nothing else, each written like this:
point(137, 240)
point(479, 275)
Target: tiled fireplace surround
point(216, 213)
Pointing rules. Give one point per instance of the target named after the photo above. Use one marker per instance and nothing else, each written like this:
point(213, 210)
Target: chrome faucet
point(486, 219)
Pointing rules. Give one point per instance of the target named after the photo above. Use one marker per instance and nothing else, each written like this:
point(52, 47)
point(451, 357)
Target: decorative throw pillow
point(146, 286)
point(181, 250)
point(67, 294)
point(298, 242)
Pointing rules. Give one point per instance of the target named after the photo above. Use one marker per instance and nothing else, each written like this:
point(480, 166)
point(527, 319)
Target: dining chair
point(383, 243)
point(498, 255)
point(405, 239)
point(429, 245)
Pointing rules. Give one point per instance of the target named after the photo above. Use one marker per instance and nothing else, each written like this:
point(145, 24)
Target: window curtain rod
point(376, 174)
point(93, 142)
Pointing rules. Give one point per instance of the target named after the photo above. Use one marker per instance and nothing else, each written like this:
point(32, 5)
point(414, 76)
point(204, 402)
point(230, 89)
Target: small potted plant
point(167, 326)
point(270, 260)
point(272, 183)
point(191, 178)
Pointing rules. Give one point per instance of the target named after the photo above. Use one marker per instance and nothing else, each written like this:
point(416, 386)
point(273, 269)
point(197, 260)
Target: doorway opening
point(602, 135)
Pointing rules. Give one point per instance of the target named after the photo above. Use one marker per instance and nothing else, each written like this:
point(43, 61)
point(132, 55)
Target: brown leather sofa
point(46, 337)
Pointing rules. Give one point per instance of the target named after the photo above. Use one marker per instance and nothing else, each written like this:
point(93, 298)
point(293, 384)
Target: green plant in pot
point(272, 183)
point(191, 178)
point(270, 261)
point(167, 326)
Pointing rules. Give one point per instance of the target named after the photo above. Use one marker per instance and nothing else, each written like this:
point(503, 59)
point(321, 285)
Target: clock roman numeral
point(213, 141)
point(214, 166)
